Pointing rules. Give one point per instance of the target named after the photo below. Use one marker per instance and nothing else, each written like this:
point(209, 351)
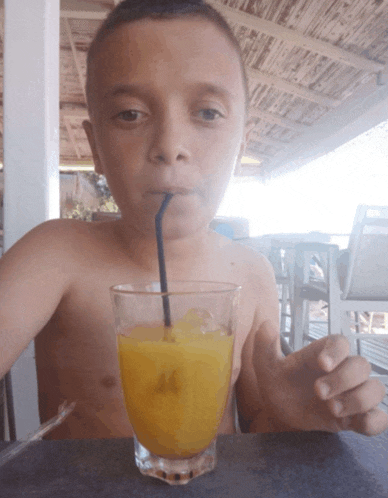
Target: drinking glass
point(175, 377)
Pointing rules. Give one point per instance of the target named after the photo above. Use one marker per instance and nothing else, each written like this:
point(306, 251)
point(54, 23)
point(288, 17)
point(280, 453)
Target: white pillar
point(31, 150)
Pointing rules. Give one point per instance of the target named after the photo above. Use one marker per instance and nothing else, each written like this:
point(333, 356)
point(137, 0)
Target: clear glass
point(175, 378)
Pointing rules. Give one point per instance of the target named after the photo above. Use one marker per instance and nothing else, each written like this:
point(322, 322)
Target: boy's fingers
point(324, 354)
point(321, 355)
point(336, 349)
point(352, 372)
point(362, 399)
point(372, 423)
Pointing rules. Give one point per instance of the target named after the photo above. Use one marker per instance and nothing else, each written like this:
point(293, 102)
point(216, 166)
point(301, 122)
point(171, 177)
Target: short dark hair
point(134, 10)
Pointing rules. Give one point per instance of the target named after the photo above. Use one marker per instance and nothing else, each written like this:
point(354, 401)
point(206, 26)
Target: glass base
point(177, 471)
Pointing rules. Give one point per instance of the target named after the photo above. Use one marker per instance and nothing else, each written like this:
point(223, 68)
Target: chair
point(2, 410)
point(364, 286)
point(280, 255)
point(309, 287)
point(7, 418)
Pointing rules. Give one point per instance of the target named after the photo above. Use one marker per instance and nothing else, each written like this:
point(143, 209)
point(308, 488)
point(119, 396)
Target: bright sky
point(321, 196)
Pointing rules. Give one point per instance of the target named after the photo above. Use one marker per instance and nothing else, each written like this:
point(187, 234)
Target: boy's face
point(167, 115)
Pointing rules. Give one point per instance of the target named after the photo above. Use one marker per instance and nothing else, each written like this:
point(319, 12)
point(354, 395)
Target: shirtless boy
point(167, 103)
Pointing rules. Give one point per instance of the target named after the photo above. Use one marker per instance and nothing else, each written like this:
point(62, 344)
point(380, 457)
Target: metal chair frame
point(353, 298)
point(7, 413)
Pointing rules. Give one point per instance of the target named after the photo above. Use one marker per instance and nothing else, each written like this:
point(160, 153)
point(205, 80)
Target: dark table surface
point(310, 464)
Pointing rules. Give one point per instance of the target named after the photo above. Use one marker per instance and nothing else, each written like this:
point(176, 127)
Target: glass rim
point(115, 289)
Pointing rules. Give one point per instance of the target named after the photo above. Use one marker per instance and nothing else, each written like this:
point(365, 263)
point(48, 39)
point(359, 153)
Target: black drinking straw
point(162, 263)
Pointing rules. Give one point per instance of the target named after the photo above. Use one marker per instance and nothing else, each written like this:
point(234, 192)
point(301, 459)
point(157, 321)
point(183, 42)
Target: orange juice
point(175, 392)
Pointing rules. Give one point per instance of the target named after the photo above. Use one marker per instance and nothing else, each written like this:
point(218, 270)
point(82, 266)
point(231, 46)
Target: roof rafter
point(290, 35)
point(270, 28)
point(288, 87)
point(268, 140)
point(84, 14)
point(76, 61)
point(260, 155)
point(249, 170)
point(277, 120)
point(75, 113)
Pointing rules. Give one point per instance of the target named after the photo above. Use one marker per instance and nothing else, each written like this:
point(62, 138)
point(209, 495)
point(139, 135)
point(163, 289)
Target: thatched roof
point(317, 70)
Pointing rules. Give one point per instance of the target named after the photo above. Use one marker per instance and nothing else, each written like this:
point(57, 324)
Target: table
point(284, 465)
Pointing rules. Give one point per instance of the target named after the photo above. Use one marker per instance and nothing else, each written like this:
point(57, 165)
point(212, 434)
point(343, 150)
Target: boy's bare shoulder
point(254, 272)
point(251, 261)
point(61, 243)
point(64, 228)
point(253, 257)
point(36, 273)
point(63, 235)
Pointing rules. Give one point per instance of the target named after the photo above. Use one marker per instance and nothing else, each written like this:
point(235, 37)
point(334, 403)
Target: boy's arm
point(250, 394)
point(277, 394)
point(34, 275)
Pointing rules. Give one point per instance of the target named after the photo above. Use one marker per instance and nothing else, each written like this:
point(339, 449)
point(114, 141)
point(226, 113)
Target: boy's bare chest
point(76, 352)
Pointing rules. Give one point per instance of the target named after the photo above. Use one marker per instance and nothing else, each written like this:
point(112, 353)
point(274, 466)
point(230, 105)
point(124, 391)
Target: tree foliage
point(76, 208)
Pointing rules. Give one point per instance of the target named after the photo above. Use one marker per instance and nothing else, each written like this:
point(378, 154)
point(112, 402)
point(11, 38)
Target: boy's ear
point(88, 127)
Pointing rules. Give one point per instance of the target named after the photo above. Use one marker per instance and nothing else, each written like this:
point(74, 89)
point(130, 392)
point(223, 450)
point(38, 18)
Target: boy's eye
point(209, 114)
point(131, 115)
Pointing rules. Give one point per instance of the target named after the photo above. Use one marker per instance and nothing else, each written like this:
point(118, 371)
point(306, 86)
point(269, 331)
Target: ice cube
point(203, 319)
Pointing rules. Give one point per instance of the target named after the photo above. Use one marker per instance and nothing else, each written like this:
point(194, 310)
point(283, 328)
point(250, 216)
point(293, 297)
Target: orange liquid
point(175, 392)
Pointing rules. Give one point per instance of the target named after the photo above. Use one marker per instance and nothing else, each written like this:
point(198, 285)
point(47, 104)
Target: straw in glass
point(162, 267)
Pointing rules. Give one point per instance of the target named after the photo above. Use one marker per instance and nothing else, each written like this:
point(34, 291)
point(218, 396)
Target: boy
point(167, 98)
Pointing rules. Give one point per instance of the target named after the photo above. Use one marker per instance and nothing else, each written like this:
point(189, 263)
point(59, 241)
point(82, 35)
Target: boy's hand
point(319, 387)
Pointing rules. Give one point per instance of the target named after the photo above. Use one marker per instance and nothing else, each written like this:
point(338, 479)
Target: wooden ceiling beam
point(75, 113)
point(285, 86)
point(75, 57)
point(286, 34)
point(263, 158)
point(268, 140)
point(291, 36)
point(259, 156)
point(249, 170)
point(251, 166)
point(71, 161)
point(367, 109)
point(277, 120)
point(84, 14)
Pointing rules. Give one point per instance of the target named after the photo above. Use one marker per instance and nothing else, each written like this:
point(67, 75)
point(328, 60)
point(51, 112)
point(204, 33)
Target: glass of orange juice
point(175, 378)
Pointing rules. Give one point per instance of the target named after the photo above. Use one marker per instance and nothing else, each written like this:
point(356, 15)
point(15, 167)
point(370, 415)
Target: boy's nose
point(169, 144)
